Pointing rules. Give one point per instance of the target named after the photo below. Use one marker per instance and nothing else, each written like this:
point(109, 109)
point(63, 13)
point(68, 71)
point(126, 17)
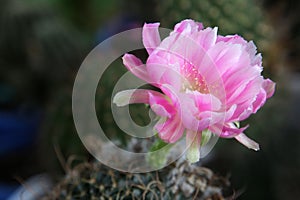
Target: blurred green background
point(43, 42)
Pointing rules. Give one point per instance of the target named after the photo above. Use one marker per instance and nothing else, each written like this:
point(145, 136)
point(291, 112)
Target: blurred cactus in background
point(37, 51)
point(245, 18)
point(59, 127)
point(39, 54)
point(284, 15)
point(86, 15)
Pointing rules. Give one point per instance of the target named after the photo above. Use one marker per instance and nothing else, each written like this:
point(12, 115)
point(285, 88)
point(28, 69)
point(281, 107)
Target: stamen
point(194, 79)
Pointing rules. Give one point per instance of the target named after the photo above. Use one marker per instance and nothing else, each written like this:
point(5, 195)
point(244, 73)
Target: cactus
point(177, 181)
point(37, 51)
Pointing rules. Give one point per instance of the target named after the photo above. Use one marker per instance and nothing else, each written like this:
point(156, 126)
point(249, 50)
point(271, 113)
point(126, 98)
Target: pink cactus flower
point(208, 82)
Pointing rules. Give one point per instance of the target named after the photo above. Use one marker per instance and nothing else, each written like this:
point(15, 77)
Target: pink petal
point(207, 37)
point(208, 69)
point(259, 101)
point(256, 59)
point(188, 26)
point(172, 93)
point(226, 130)
point(226, 57)
point(161, 106)
point(186, 109)
point(178, 49)
point(242, 138)
point(151, 37)
point(205, 102)
point(160, 74)
point(208, 118)
point(171, 130)
point(233, 39)
point(135, 96)
point(229, 113)
point(249, 47)
point(160, 110)
point(231, 131)
point(177, 134)
point(191, 120)
point(136, 66)
point(241, 77)
point(243, 110)
point(269, 87)
point(247, 91)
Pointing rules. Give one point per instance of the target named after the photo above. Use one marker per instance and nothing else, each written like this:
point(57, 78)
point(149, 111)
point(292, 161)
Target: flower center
point(194, 80)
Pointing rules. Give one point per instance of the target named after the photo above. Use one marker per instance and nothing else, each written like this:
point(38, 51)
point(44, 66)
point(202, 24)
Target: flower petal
point(135, 96)
point(225, 56)
point(188, 26)
point(205, 102)
point(151, 37)
point(164, 74)
point(193, 141)
point(186, 109)
point(232, 131)
point(269, 87)
point(190, 117)
point(207, 38)
point(161, 106)
point(259, 101)
point(171, 130)
point(136, 66)
point(242, 138)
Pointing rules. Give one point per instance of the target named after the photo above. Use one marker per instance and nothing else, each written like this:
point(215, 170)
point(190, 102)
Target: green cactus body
point(175, 182)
